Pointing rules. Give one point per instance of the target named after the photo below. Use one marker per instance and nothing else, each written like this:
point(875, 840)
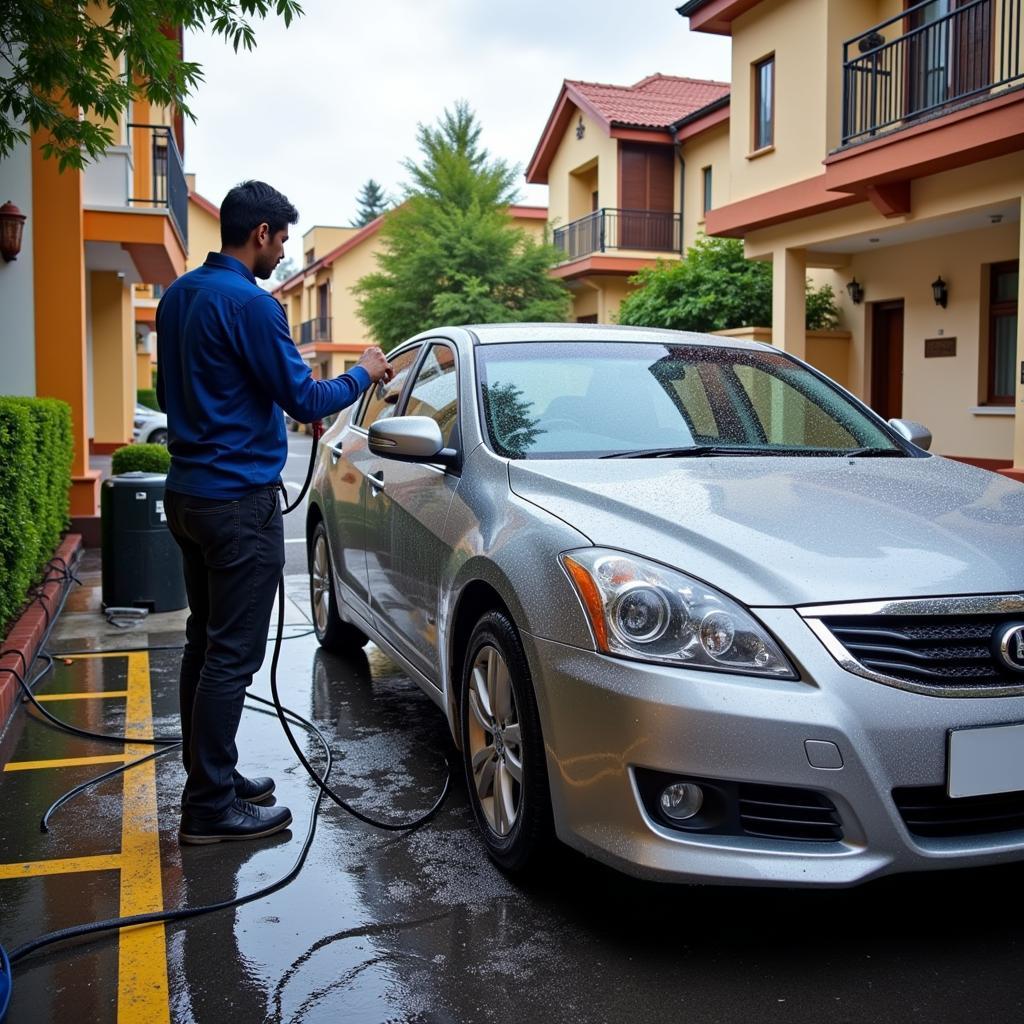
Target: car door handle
point(335, 453)
point(376, 481)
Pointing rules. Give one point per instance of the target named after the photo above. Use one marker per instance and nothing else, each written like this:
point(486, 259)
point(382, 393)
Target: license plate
point(984, 761)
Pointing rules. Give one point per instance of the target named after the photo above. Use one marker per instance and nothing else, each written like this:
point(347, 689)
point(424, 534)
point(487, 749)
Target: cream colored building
point(631, 173)
point(322, 311)
point(881, 144)
point(204, 237)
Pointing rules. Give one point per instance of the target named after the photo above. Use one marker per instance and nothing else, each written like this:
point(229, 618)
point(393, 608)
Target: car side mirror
point(411, 439)
point(913, 432)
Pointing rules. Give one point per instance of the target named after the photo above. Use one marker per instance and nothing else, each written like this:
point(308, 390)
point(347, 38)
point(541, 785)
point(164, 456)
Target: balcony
point(609, 229)
point(310, 331)
point(166, 177)
point(135, 199)
point(928, 60)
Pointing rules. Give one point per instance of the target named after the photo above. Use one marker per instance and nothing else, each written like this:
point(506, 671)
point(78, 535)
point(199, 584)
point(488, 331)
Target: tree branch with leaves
point(451, 252)
point(58, 61)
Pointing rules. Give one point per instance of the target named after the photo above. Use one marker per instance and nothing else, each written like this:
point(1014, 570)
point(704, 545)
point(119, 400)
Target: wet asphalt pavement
point(422, 928)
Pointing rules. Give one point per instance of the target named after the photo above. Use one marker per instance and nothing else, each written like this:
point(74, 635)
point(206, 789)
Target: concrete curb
point(26, 634)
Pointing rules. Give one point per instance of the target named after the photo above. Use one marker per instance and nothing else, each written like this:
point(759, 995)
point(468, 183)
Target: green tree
point(57, 63)
point(285, 269)
point(713, 289)
point(451, 252)
point(372, 203)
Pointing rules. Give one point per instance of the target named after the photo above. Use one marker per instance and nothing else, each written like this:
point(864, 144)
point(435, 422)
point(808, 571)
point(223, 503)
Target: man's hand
point(375, 363)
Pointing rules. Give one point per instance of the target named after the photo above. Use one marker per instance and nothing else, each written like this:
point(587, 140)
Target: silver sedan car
point(688, 605)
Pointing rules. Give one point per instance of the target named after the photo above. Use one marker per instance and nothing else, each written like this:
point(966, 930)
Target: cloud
point(318, 108)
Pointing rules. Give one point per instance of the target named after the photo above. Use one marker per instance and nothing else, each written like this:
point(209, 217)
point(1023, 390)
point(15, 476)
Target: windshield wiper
point(719, 449)
point(673, 453)
point(859, 453)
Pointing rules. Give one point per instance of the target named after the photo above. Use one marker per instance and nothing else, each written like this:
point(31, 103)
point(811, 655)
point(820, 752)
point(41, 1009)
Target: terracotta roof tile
point(657, 101)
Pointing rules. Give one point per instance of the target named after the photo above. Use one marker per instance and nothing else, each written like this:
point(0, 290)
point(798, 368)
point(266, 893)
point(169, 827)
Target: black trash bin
point(141, 561)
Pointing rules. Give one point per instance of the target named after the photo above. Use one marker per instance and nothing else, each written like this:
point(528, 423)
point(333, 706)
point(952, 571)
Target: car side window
point(435, 391)
point(383, 398)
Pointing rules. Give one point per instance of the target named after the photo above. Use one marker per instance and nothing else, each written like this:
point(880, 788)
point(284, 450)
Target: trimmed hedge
point(147, 397)
point(35, 485)
point(147, 458)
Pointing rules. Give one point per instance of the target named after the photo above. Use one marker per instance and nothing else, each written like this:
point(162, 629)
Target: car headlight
point(640, 609)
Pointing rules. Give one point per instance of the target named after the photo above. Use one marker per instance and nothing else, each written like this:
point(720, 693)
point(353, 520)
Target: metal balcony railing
point(604, 229)
point(941, 56)
point(309, 331)
point(169, 188)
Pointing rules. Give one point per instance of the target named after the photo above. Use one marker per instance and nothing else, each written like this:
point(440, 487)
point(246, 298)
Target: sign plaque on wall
point(935, 347)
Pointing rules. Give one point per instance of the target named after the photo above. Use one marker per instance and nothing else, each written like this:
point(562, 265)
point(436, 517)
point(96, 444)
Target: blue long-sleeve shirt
point(226, 366)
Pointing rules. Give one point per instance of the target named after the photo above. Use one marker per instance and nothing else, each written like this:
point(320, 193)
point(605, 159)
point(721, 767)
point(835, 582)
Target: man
point(226, 368)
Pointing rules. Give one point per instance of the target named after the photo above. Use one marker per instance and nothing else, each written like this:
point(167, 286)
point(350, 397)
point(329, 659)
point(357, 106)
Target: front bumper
point(604, 718)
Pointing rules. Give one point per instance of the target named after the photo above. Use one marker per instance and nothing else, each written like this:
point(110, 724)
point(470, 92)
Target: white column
point(789, 301)
point(1018, 427)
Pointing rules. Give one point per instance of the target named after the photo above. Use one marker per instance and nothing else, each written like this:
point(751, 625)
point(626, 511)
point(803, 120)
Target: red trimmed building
point(631, 173)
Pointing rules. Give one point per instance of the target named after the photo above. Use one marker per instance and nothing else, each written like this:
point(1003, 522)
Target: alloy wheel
point(495, 740)
point(320, 583)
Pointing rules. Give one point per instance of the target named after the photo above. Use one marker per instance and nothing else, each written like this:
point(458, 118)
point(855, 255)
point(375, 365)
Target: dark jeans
point(233, 554)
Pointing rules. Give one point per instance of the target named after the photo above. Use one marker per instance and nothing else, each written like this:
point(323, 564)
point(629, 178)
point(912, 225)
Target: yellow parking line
point(64, 762)
point(72, 865)
point(93, 654)
point(95, 695)
point(142, 996)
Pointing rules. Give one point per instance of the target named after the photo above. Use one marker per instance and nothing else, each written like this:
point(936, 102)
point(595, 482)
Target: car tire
point(332, 632)
point(158, 436)
point(501, 739)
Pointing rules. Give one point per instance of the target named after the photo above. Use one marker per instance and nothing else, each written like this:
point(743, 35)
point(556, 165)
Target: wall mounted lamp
point(12, 223)
point(940, 292)
point(856, 292)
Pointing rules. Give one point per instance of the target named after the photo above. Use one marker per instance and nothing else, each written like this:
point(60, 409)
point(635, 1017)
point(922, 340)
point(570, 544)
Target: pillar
point(1017, 473)
point(789, 301)
point(59, 296)
point(113, 360)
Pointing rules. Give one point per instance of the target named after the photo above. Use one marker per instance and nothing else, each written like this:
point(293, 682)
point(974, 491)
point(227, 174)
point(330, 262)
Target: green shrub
point(35, 482)
point(147, 397)
point(147, 458)
point(713, 289)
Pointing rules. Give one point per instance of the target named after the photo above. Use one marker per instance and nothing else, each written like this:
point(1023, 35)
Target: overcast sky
point(320, 107)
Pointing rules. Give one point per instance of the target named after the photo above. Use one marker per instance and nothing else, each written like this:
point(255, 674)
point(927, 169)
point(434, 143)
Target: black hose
point(185, 913)
point(283, 714)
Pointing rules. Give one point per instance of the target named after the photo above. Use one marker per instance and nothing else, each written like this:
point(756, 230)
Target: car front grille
point(949, 655)
point(778, 812)
point(929, 812)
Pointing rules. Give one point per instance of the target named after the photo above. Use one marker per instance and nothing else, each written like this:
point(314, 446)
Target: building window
point(764, 103)
point(310, 253)
point(1002, 332)
point(707, 189)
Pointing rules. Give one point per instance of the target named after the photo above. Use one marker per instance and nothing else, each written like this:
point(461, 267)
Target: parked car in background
point(686, 603)
point(149, 427)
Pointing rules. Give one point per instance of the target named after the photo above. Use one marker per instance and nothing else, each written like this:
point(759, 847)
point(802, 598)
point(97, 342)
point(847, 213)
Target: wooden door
point(646, 187)
point(972, 49)
point(887, 359)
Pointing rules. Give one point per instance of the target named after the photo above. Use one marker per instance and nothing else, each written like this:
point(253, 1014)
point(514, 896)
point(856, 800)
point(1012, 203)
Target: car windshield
point(639, 400)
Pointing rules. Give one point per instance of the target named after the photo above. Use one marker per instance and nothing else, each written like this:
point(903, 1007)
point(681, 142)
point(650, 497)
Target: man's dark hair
point(249, 205)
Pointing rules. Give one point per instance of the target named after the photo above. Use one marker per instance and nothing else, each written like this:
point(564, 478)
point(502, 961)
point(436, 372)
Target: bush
point(715, 288)
point(146, 458)
point(35, 482)
point(147, 397)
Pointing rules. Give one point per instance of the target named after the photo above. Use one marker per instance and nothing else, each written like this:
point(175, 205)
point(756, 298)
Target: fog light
point(681, 800)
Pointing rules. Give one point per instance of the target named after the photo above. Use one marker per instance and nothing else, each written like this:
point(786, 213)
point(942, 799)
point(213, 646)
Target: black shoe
point(242, 820)
point(254, 790)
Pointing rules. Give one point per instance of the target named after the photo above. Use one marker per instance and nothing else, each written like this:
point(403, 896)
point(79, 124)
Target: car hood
point(790, 531)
